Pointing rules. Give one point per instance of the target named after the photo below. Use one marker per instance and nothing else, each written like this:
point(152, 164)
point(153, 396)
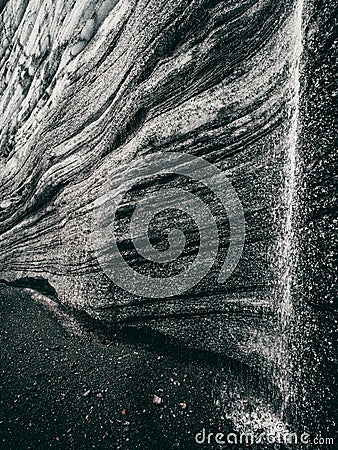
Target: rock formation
point(88, 88)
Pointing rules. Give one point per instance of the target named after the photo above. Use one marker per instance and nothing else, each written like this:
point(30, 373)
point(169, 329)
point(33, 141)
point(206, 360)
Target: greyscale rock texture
point(89, 87)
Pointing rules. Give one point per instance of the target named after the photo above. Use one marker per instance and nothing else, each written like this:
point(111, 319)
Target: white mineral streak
point(288, 241)
point(288, 246)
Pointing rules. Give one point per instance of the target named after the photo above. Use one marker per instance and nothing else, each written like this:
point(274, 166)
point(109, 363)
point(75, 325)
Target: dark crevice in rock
point(38, 284)
point(2, 4)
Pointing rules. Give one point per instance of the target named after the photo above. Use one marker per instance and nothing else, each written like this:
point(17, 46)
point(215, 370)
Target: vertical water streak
point(288, 248)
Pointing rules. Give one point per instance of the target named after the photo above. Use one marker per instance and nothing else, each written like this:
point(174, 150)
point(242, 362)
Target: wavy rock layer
point(89, 87)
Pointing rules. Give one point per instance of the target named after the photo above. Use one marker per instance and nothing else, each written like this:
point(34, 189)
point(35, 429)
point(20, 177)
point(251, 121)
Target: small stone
point(87, 393)
point(183, 405)
point(157, 400)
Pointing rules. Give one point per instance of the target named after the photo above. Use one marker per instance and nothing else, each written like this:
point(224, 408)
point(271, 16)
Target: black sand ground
point(63, 390)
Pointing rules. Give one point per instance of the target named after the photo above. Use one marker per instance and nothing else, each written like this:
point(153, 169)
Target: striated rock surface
point(88, 88)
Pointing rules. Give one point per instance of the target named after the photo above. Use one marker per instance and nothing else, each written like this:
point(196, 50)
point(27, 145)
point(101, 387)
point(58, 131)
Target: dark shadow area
point(40, 285)
point(2, 5)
